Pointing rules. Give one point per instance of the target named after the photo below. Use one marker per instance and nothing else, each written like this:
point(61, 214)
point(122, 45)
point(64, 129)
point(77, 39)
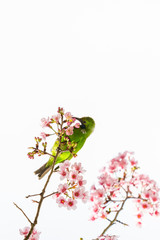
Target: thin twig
point(50, 195)
point(34, 195)
point(38, 194)
point(44, 152)
point(23, 213)
point(118, 222)
point(125, 224)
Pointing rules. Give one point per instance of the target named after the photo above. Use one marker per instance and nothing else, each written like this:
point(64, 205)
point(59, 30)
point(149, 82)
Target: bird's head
point(88, 124)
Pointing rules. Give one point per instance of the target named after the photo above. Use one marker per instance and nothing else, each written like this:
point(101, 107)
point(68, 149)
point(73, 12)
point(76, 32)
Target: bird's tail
point(42, 170)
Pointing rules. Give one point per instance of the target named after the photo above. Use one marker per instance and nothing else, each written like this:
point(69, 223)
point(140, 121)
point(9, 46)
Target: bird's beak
point(79, 119)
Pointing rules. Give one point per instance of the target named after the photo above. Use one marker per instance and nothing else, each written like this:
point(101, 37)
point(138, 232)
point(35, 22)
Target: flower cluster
point(120, 183)
point(148, 199)
point(65, 124)
point(34, 235)
point(60, 118)
point(108, 237)
point(73, 189)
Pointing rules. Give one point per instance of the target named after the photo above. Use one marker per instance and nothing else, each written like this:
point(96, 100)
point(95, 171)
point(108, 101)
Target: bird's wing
point(78, 138)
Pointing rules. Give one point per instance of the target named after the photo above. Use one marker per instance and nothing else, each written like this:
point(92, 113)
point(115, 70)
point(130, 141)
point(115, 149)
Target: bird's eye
point(84, 121)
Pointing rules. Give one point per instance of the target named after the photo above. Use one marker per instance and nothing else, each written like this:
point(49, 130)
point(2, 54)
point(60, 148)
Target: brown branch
point(118, 222)
point(119, 210)
point(42, 197)
point(116, 215)
point(23, 213)
point(50, 194)
point(42, 151)
point(34, 195)
point(38, 194)
point(125, 224)
point(143, 199)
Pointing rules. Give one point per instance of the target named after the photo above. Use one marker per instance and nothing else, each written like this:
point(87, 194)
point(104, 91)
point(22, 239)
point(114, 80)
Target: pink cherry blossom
point(56, 117)
point(63, 173)
point(56, 195)
point(34, 235)
point(69, 130)
point(77, 125)
point(139, 224)
point(114, 164)
point(108, 237)
point(85, 196)
point(93, 218)
point(106, 180)
point(68, 116)
point(73, 176)
point(95, 208)
point(78, 167)
point(123, 155)
point(64, 164)
point(93, 188)
point(71, 204)
point(133, 162)
point(139, 215)
point(62, 188)
point(154, 197)
point(61, 201)
point(69, 123)
point(123, 163)
point(77, 193)
point(81, 181)
point(25, 231)
point(157, 213)
point(44, 135)
point(103, 214)
point(145, 205)
point(45, 122)
point(99, 193)
point(147, 193)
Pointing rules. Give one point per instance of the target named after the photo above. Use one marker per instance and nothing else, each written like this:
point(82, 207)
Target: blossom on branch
point(120, 183)
point(77, 125)
point(45, 122)
point(56, 118)
point(65, 124)
point(69, 130)
point(68, 116)
point(43, 135)
point(34, 235)
point(108, 237)
point(73, 189)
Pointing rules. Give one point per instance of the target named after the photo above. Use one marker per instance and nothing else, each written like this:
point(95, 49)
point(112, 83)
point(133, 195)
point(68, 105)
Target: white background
point(94, 58)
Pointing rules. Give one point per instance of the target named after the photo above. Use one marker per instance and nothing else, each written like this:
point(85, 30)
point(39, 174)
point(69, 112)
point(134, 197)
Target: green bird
point(78, 139)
